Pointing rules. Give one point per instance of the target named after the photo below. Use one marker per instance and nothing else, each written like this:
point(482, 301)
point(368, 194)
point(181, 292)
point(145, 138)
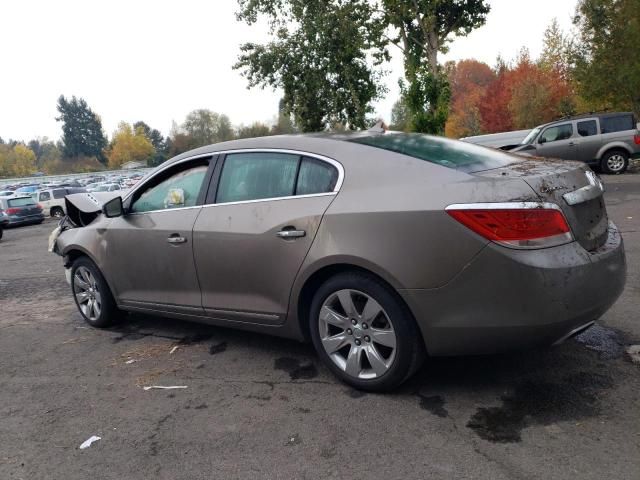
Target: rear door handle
point(175, 239)
point(291, 233)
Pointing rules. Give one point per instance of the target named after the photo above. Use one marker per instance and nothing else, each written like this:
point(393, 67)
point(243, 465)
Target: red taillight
point(12, 211)
point(39, 206)
point(636, 139)
point(518, 225)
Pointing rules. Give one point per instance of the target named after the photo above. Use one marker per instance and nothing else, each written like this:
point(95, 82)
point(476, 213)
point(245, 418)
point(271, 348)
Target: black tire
point(1, 230)
point(108, 312)
point(614, 162)
point(56, 212)
point(409, 351)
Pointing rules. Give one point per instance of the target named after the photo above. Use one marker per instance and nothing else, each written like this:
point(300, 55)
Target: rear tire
point(57, 212)
point(614, 162)
point(364, 333)
point(92, 294)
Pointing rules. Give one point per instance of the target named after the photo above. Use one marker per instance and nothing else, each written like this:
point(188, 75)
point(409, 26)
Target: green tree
point(256, 129)
point(424, 28)
point(205, 127)
point(400, 116)
point(82, 133)
point(157, 140)
point(319, 56)
point(284, 123)
point(322, 49)
point(607, 66)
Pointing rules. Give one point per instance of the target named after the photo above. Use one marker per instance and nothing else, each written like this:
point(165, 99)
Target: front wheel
point(363, 332)
point(92, 294)
point(614, 162)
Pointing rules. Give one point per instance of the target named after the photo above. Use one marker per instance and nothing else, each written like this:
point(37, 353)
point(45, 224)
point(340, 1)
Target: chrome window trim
point(503, 206)
point(316, 156)
point(270, 199)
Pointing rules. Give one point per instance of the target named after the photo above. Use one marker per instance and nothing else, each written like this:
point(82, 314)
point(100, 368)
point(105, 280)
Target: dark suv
point(605, 140)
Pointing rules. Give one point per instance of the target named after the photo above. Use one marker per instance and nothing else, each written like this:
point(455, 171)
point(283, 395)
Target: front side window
point(44, 196)
point(255, 176)
point(587, 128)
point(316, 176)
point(180, 189)
point(559, 132)
point(619, 123)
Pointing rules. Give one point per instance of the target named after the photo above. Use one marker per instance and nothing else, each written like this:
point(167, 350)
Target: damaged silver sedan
point(379, 247)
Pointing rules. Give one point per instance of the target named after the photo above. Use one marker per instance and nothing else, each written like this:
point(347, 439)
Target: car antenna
point(379, 127)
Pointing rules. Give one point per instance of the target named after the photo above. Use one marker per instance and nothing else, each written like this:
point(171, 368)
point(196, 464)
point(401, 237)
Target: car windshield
point(448, 153)
point(101, 188)
point(20, 202)
point(531, 137)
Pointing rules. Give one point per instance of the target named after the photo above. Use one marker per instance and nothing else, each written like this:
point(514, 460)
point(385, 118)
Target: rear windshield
point(20, 202)
point(462, 156)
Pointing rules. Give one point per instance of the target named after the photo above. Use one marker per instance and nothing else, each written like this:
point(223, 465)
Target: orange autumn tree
point(469, 80)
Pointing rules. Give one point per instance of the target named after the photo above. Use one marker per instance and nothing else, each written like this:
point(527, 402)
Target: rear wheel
point(92, 294)
point(57, 212)
point(614, 162)
point(363, 332)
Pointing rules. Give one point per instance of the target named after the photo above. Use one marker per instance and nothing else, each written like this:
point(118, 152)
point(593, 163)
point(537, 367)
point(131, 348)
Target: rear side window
point(21, 202)
point(619, 123)
point(461, 156)
point(587, 128)
point(59, 193)
point(559, 132)
point(255, 176)
point(316, 176)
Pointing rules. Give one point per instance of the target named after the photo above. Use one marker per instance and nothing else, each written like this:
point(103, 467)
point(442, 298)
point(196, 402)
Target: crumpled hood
point(83, 208)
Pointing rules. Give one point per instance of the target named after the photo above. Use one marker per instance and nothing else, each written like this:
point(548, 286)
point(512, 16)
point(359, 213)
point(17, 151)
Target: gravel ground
point(259, 407)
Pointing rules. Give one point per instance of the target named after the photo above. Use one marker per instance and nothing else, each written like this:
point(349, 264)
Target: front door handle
point(291, 233)
point(175, 239)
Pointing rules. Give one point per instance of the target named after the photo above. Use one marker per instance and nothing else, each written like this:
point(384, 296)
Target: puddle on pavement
point(433, 404)
point(539, 402)
point(296, 369)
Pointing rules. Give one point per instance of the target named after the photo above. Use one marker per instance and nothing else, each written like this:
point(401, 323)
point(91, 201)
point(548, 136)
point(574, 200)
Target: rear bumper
point(512, 299)
point(15, 220)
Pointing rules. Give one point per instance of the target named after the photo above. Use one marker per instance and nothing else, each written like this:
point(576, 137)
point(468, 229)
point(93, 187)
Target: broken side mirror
point(113, 208)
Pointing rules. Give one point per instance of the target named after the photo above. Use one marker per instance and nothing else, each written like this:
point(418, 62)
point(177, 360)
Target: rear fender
point(614, 146)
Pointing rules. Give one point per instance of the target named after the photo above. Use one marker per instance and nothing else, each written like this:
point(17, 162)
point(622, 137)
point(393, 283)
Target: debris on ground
point(173, 350)
point(129, 362)
point(293, 440)
point(87, 443)
point(162, 387)
point(634, 353)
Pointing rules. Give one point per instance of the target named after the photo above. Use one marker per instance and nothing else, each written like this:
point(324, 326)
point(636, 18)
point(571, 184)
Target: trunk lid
point(570, 185)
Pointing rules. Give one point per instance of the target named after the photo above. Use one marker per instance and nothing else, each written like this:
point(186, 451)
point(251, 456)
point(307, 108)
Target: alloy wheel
point(357, 334)
point(87, 293)
point(615, 162)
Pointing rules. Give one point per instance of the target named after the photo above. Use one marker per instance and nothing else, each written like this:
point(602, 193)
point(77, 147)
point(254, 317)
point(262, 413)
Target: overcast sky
point(158, 60)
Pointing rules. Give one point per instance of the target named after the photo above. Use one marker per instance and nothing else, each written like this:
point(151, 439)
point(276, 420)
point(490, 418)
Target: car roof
point(585, 115)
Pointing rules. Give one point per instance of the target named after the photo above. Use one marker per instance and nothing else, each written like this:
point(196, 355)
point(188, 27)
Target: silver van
point(606, 141)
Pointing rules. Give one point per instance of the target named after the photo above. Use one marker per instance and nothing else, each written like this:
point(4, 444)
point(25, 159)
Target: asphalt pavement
point(260, 407)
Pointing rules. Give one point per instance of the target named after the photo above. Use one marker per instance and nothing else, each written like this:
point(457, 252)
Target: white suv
point(52, 199)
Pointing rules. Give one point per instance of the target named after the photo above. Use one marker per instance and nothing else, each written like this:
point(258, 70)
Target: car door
point(588, 140)
point(556, 142)
point(149, 250)
point(250, 243)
